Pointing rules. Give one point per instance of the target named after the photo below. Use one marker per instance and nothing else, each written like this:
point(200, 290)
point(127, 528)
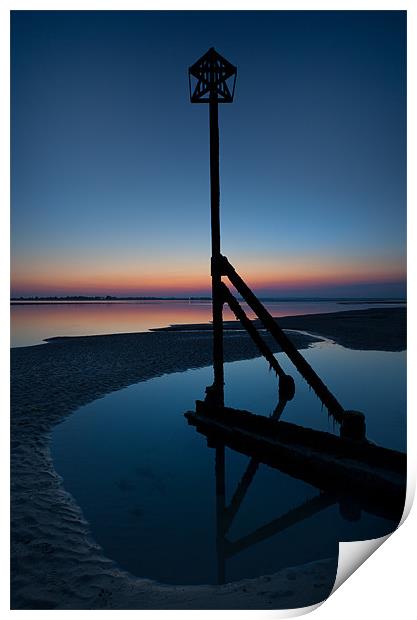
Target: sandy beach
point(55, 561)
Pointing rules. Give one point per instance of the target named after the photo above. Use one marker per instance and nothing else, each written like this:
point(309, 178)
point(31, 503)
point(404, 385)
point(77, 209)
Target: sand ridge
point(377, 329)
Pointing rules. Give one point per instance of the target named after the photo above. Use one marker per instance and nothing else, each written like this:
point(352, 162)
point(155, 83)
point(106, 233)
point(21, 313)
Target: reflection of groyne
point(355, 475)
point(225, 514)
point(373, 476)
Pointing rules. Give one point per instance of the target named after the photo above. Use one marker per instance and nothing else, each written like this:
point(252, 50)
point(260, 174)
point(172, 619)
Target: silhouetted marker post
point(212, 80)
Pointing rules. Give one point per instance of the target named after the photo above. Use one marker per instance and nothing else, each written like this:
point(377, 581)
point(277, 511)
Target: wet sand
point(377, 329)
point(55, 561)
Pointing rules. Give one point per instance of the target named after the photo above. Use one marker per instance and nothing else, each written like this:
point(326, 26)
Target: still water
point(146, 480)
point(32, 323)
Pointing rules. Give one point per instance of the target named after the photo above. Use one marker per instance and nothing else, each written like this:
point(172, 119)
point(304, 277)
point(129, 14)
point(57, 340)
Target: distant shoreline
point(21, 301)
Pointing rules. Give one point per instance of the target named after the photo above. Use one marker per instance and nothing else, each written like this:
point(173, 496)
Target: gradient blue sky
point(110, 177)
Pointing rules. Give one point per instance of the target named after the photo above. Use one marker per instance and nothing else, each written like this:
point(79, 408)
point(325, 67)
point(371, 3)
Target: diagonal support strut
point(286, 383)
point(304, 368)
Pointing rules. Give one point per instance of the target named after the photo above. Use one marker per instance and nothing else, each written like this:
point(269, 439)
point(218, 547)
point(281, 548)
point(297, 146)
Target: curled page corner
point(297, 611)
point(410, 493)
point(352, 555)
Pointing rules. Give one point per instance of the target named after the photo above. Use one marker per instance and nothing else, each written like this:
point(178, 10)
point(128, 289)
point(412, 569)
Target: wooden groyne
point(348, 468)
point(212, 81)
point(370, 476)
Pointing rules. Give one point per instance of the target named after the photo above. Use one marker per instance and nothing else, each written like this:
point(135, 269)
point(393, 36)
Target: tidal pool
point(146, 480)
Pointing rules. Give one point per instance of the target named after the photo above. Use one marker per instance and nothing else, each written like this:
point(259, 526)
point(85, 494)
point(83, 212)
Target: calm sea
point(32, 323)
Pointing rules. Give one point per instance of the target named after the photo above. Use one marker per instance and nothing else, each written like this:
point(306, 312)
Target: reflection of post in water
point(220, 512)
point(225, 515)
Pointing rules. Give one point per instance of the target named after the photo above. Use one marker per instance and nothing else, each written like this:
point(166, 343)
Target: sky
point(110, 189)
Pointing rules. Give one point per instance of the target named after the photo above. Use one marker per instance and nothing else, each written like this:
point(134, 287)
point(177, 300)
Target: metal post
point(217, 297)
point(212, 80)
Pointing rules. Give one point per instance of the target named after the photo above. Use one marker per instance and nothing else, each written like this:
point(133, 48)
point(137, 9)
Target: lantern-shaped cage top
point(212, 78)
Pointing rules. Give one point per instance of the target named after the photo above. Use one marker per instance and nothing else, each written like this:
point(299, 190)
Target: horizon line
point(199, 297)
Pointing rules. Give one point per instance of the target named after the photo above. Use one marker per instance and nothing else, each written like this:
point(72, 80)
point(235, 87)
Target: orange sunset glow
point(194, 278)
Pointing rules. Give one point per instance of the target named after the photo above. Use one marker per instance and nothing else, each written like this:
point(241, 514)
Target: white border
point(383, 586)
